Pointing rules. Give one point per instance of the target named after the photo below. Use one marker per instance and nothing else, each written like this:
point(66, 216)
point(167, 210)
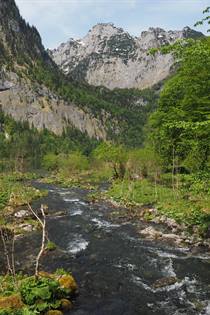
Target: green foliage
point(15, 192)
point(180, 128)
point(33, 290)
point(73, 162)
point(115, 155)
point(66, 163)
point(50, 161)
point(24, 311)
point(184, 205)
point(43, 293)
point(206, 18)
point(26, 147)
point(38, 295)
point(143, 163)
point(50, 246)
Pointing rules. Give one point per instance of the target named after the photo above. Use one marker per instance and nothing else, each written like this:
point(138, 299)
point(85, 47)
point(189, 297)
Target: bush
point(50, 161)
point(73, 162)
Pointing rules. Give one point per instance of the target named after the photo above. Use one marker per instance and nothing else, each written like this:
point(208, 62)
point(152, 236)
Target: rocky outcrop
point(36, 104)
point(110, 57)
point(24, 97)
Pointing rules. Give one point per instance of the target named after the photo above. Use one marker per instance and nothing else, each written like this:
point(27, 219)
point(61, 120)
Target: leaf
point(43, 293)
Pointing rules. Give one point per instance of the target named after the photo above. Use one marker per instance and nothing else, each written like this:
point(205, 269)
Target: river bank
point(185, 211)
point(118, 271)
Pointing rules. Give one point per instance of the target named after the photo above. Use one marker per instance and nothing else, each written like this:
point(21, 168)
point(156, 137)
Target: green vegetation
point(30, 295)
point(23, 148)
point(180, 128)
point(184, 204)
point(172, 171)
point(14, 192)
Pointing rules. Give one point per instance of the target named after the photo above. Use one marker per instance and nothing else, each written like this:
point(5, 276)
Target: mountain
point(28, 79)
point(108, 56)
point(34, 90)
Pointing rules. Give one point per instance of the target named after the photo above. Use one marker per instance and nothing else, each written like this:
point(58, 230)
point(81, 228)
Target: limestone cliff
point(111, 57)
point(26, 101)
point(24, 97)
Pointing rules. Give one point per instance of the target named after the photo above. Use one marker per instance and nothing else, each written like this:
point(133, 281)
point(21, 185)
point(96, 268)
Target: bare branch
point(13, 255)
point(6, 253)
point(34, 213)
point(43, 240)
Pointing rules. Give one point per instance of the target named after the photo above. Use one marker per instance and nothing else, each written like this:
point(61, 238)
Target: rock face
point(43, 109)
point(110, 57)
point(27, 99)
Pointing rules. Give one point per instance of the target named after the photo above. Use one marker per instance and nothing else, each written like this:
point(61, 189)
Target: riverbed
point(114, 266)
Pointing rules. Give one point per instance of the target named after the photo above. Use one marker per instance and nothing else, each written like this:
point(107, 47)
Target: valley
point(104, 171)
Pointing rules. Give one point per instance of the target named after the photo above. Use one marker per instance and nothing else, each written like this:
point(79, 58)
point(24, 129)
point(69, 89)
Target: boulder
point(68, 282)
point(171, 236)
point(171, 223)
point(163, 282)
point(66, 305)
point(151, 233)
point(22, 214)
point(26, 227)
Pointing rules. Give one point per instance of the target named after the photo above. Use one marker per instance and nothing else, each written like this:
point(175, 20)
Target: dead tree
point(8, 239)
point(44, 236)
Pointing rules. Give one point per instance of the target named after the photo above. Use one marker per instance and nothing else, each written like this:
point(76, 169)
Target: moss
point(11, 302)
point(50, 292)
point(50, 246)
point(45, 274)
point(54, 312)
point(68, 282)
point(66, 305)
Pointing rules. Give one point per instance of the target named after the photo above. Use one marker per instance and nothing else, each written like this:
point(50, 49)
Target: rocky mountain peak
point(104, 29)
point(111, 57)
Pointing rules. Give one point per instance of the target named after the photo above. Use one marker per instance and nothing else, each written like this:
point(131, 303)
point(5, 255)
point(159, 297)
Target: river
point(114, 266)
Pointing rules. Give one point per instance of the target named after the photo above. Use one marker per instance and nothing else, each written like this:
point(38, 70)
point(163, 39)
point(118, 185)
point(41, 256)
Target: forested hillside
point(42, 96)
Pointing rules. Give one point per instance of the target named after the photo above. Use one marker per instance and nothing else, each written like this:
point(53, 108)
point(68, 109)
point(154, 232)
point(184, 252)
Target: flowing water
point(114, 267)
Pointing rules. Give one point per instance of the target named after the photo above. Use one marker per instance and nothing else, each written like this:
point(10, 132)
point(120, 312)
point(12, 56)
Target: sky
point(59, 20)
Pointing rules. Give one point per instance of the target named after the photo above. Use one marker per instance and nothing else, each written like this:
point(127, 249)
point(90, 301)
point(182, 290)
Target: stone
point(163, 282)
point(153, 211)
point(66, 305)
point(26, 227)
point(207, 234)
point(22, 214)
point(170, 236)
point(68, 282)
point(171, 223)
point(151, 233)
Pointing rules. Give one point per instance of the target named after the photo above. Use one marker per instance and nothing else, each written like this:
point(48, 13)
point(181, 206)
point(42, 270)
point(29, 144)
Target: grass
point(89, 179)
point(14, 192)
point(180, 204)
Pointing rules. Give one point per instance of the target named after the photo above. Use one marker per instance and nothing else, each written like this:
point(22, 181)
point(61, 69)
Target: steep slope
point(22, 95)
point(108, 56)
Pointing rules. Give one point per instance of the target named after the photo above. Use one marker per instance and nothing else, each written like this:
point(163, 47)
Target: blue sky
point(58, 20)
